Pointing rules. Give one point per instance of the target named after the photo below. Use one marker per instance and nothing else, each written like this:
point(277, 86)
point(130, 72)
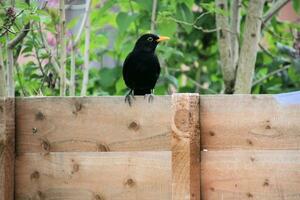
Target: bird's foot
point(129, 98)
point(150, 97)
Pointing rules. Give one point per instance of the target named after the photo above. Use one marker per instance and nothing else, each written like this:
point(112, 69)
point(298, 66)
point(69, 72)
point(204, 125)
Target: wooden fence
point(99, 148)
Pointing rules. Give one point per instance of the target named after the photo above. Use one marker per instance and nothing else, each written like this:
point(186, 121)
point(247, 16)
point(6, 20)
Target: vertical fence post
point(7, 148)
point(185, 147)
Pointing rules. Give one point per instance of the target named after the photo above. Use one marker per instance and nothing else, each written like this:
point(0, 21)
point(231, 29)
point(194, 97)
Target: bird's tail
point(141, 91)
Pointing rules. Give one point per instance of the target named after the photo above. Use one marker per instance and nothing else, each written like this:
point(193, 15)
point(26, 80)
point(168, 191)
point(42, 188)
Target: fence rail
point(100, 148)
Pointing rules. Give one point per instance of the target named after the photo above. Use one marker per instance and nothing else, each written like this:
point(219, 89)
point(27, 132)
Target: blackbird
point(141, 67)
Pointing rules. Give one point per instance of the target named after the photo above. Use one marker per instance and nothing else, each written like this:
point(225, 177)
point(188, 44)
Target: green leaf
point(107, 5)
point(72, 23)
point(145, 5)
point(120, 86)
point(183, 13)
point(124, 20)
point(22, 5)
point(189, 3)
point(172, 79)
point(165, 26)
point(296, 5)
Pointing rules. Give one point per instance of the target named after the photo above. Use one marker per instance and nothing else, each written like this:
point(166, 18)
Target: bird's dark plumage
point(141, 67)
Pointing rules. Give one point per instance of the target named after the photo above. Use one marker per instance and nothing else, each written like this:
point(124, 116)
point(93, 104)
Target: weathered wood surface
point(94, 176)
point(108, 124)
point(244, 175)
point(185, 147)
point(253, 146)
point(248, 122)
point(7, 148)
point(93, 124)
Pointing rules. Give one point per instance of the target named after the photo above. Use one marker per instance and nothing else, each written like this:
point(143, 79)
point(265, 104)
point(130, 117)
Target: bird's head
point(148, 42)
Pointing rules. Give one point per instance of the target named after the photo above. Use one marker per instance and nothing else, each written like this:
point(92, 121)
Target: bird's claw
point(129, 98)
point(150, 97)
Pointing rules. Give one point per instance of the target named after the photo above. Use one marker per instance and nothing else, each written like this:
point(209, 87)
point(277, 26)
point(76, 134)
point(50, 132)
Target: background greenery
point(190, 60)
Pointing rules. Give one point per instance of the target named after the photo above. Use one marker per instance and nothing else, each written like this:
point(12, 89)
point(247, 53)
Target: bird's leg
point(129, 97)
point(150, 97)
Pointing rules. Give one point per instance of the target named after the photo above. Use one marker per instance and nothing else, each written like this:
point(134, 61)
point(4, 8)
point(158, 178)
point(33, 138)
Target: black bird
point(141, 67)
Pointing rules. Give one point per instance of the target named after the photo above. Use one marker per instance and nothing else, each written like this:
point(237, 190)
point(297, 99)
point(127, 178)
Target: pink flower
point(53, 3)
point(51, 39)
point(50, 3)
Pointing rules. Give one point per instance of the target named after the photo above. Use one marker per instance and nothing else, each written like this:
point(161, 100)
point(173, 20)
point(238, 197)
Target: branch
point(63, 47)
point(252, 34)
point(86, 13)
point(37, 55)
point(73, 71)
point(11, 44)
point(270, 74)
point(265, 50)
point(86, 57)
point(153, 15)
point(135, 24)
point(194, 25)
point(201, 86)
point(2, 75)
point(235, 28)
point(224, 41)
point(273, 10)
point(10, 73)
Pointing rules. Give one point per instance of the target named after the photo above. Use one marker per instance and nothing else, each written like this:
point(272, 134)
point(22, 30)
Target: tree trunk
point(10, 73)
point(86, 58)
point(2, 75)
point(63, 47)
point(224, 41)
point(73, 71)
point(252, 34)
point(235, 30)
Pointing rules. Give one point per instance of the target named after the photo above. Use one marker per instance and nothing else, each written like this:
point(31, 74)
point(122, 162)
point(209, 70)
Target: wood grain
point(248, 122)
point(107, 124)
point(7, 148)
point(53, 124)
point(94, 176)
point(185, 147)
point(244, 175)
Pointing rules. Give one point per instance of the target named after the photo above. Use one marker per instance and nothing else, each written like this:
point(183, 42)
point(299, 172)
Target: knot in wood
point(75, 167)
point(182, 119)
point(35, 175)
point(46, 145)
point(41, 195)
point(249, 195)
point(77, 107)
point(99, 197)
point(130, 182)
point(39, 116)
point(34, 130)
point(268, 127)
point(134, 126)
point(266, 183)
point(221, 6)
point(102, 147)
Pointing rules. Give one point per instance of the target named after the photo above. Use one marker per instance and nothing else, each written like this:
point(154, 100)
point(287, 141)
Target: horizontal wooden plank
point(54, 124)
point(108, 124)
point(248, 122)
point(260, 175)
point(94, 175)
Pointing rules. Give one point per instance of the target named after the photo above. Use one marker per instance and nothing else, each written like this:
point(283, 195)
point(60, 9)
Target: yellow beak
point(162, 38)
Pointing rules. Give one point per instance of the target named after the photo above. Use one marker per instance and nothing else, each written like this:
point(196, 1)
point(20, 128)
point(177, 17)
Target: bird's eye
point(150, 39)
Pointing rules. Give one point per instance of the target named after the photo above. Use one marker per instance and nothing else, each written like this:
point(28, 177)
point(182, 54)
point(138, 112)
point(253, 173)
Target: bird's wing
point(128, 66)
